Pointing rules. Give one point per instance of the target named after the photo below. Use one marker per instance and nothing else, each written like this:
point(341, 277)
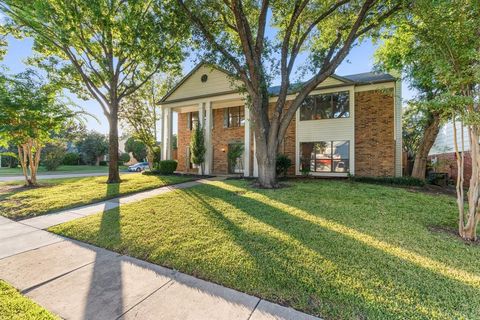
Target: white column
point(208, 138)
point(201, 122)
point(246, 153)
point(255, 163)
point(166, 133)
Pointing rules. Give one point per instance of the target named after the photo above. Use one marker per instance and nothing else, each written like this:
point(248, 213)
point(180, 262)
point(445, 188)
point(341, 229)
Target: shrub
point(71, 159)
point(283, 163)
point(53, 157)
point(124, 157)
point(156, 156)
point(398, 181)
point(167, 166)
point(103, 163)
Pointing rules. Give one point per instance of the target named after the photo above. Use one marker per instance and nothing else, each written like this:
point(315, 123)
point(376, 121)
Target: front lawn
point(5, 172)
point(15, 306)
point(334, 249)
point(56, 194)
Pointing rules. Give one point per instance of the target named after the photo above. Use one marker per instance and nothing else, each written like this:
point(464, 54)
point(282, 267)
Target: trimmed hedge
point(397, 181)
point(167, 166)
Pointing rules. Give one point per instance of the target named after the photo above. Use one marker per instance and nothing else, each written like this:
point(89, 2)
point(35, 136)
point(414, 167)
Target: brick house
point(349, 124)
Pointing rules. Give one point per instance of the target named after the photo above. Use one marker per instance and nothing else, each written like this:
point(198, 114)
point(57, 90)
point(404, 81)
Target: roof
point(353, 79)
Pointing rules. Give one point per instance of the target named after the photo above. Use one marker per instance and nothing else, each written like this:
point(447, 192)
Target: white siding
point(217, 82)
point(330, 82)
point(444, 142)
point(328, 130)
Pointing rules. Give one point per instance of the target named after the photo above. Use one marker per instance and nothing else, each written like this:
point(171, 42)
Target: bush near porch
point(335, 249)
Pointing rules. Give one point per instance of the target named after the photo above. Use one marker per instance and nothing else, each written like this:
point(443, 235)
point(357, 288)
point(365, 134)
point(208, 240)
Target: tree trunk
point(267, 175)
point(113, 174)
point(429, 137)
point(22, 158)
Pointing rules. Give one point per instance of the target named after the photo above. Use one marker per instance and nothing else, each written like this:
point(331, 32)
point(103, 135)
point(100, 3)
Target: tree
point(449, 33)
point(30, 111)
point(232, 33)
point(101, 49)
point(197, 147)
point(139, 112)
point(93, 146)
point(137, 148)
point(401, 50)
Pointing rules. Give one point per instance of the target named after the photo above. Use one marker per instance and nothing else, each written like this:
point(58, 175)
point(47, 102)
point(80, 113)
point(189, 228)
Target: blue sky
point(359, 60)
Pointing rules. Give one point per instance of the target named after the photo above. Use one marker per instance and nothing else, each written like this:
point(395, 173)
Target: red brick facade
point(374, 133)
point(374, 137)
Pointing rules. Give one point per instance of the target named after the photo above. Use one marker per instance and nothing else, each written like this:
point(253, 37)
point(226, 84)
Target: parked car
point(139, 167)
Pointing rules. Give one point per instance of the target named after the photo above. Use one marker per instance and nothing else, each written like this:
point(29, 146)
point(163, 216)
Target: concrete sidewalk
point(79, 281)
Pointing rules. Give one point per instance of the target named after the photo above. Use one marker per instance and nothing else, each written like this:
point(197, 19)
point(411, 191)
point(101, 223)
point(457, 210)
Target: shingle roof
point(360, 78)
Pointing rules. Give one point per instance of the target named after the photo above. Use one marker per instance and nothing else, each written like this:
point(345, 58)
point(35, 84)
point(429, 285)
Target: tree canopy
point(101, 49)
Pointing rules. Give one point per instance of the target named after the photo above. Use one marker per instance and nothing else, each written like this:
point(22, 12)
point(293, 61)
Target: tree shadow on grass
point(324, 271)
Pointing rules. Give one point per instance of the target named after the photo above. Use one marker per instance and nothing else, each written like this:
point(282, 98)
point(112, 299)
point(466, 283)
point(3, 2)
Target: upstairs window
point(234, 117)
point(326, 106)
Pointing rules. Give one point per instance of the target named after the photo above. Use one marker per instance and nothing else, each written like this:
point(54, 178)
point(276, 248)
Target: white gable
point(217, 82)
point(330, 81)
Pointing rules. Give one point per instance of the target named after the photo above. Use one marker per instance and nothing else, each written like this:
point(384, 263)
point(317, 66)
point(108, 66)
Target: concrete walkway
point(79, 281)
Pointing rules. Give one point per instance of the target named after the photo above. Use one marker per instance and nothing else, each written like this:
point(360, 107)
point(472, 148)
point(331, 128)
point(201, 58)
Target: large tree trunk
point(267, 175)
point(429, 137)
point(113, 174)
point(473, 217)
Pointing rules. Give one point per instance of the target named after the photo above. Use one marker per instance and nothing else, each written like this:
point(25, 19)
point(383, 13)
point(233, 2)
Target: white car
point(138, 167)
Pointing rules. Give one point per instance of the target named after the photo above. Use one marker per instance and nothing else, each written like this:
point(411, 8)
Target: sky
point(360, 59)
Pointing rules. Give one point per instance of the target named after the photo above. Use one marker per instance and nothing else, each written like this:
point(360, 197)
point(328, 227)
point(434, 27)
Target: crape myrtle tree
point(101, 49)
point(232, 34)
point(197, 147)
point(450, 33)
point(30, 114)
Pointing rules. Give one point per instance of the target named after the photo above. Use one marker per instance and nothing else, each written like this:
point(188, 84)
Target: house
point(349, 124)
point(442, 154)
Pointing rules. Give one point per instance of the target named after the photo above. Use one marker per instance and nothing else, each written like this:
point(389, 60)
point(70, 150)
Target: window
point(192, 120)
point(326, 106)
point(234, 117)
point(326, 156)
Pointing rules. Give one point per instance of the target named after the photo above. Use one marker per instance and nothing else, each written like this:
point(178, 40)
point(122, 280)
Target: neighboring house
point(349, 124)
point(442, 155)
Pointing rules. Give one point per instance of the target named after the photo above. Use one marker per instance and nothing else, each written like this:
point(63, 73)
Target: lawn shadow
point(349, 249)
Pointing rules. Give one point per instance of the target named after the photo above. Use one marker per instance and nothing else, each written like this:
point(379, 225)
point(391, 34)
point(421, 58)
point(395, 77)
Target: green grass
point(15, 306)
point(58, 194)
point(334, 249)
point(5, 172)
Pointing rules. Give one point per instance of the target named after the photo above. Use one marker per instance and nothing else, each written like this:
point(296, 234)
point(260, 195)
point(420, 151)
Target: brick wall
point(183, 141)
point(374, 133)
point(222, 137)
point(447, 163)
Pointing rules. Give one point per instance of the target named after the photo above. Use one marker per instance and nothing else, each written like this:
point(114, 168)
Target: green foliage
point(167, 166)
point(283, 164)
point(197, 146)
point(156, 156)
point(71, 159)
point(235, 151)
point(53, 156)
point(30, 109)
point(137, 148)
point(397, 181)
point(92, 146)
point(124, 157)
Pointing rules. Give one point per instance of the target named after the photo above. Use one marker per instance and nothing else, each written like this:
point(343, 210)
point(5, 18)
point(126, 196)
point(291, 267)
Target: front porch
point(227, 126)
